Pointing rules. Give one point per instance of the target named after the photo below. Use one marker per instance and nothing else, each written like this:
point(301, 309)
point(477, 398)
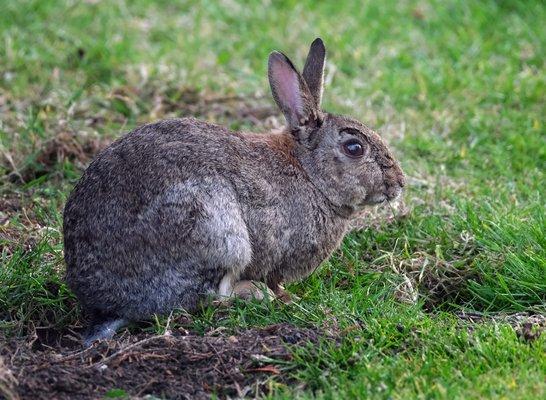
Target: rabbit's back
point(127, 177)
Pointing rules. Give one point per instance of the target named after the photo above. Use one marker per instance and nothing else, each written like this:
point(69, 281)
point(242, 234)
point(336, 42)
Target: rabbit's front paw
point(252, 290)
point(246, 290)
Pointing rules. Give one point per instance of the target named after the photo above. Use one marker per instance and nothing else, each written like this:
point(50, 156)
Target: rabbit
point(181, 210)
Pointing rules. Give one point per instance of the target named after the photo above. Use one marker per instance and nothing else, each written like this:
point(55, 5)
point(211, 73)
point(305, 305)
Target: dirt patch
point(256, 111)
point(73, 133)
point(528, 326)
point(20, 226)
point(8, 383)
point(179, 365)
point(64, 147)
point(67, 146)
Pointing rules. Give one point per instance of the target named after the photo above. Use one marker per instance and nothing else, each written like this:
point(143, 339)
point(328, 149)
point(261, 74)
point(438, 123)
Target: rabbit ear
point(313, 71)
point(291, 92)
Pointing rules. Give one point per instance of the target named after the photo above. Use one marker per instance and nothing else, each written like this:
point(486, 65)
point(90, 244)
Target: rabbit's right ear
point(313, 71)
point(291, 93)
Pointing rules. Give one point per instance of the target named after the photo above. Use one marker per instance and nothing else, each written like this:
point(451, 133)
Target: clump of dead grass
point(58, 133)
point(528, 327)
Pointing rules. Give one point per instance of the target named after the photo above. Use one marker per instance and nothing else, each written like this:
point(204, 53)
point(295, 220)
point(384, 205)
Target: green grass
point(457, 88)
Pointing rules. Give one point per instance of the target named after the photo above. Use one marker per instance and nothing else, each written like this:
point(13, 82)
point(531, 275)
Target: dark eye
point(353, 148)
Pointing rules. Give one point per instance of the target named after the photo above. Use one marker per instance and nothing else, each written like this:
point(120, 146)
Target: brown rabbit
point(181, 209)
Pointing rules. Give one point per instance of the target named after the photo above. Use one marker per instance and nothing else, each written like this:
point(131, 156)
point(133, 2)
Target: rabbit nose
point(394, 182)
point(401, 179)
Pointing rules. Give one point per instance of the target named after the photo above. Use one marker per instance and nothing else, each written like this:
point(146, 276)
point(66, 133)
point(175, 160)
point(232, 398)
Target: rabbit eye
point(353, 148)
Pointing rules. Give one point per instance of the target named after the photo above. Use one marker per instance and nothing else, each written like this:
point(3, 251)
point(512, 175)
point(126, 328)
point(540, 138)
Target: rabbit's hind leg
point(217, 243)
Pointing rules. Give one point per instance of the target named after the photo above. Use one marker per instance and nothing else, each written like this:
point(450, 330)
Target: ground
point(440, 296)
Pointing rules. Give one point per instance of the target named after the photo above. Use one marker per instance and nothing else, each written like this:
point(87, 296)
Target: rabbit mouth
point(375, 198)
point(381, 197)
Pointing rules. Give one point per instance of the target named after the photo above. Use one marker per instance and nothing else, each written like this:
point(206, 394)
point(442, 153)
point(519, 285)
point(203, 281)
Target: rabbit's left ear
point(291, 93)
point(313, 72)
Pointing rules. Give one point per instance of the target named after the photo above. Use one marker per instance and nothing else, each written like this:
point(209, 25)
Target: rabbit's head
point(347, 161)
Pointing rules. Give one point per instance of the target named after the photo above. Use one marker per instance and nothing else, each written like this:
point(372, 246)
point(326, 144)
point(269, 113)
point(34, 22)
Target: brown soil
point(61, 148)
point(179, 365)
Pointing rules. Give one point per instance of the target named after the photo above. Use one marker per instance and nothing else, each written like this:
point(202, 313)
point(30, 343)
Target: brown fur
point(281, 143)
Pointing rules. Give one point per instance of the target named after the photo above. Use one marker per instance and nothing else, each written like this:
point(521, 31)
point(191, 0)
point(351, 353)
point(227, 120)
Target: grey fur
point(173, 209)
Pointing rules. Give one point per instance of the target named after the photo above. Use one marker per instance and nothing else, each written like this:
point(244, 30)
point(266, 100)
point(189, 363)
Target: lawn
point(443, 296)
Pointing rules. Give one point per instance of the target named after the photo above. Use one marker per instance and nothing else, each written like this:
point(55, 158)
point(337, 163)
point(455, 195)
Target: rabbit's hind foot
point(104, 329)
